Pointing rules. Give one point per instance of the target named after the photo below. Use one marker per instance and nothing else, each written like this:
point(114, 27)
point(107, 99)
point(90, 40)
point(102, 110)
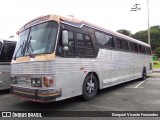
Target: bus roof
point(81, 23)
point(77, 23)
point(7, 39)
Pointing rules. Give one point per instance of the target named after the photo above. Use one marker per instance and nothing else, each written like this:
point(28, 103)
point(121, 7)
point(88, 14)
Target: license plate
point(24, 81)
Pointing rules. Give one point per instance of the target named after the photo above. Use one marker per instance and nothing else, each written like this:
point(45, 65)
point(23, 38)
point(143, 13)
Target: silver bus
point(61, 57)
point(6, 52)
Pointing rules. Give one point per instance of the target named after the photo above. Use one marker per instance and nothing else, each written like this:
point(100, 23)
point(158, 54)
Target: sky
point(110, 14)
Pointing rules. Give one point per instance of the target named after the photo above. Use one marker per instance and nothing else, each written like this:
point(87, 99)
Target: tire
point(144, 74)
point(90, 87)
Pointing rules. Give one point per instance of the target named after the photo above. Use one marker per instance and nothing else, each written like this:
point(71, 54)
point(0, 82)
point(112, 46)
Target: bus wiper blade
point(17, 52)
point(30, 46)
point(22, 50)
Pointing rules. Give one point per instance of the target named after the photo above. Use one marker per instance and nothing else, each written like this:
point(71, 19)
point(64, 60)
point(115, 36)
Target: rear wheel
point(144, 74)
point(90, 87)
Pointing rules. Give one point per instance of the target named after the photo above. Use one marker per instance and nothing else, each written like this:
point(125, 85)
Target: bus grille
point(52, 67)
point(33, 68)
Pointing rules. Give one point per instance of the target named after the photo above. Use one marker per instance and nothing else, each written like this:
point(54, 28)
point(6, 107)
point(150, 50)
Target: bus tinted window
point(143, 50)
point(125, 45)
point(7, 52)
point(140, 48)
point(84, 45)
point(109, 41)
point(80, 44)
point(105, 40)
point(80, 40)
point(89, 46)
point(88, 42)
point(131, 45)
point(148, 50)
point(119, 43)
point(100, 38)
point(136, 47)
point(71, 43)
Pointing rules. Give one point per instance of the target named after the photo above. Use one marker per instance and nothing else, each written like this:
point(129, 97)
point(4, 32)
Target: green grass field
point(156, 64)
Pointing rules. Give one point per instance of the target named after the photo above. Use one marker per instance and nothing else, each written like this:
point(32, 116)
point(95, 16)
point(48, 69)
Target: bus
point(7, 47)
point(61, 57)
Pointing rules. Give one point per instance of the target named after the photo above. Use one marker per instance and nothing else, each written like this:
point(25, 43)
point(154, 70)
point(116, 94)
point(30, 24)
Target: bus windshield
point(38, 39)
point(7, 51)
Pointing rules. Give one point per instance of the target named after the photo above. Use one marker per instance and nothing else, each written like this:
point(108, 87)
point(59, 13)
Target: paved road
point(136, 95)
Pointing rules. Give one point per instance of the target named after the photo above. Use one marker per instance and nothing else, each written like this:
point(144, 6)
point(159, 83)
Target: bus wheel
point(90, 87)
point(144, 74)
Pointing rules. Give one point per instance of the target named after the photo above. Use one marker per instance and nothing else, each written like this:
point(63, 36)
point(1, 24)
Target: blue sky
point(111, 14)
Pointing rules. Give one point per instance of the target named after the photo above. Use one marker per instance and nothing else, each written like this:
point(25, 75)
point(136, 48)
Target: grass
point(156, 64)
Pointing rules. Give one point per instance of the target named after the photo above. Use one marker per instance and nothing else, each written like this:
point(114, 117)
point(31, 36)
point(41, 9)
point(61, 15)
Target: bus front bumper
point(37, 95)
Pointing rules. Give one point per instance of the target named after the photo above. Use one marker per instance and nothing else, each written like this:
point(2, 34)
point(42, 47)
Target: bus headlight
point(36, 82)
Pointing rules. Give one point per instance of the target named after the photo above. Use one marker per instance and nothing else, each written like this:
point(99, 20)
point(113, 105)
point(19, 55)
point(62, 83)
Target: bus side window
point(7, 52)
point(88, 42)
point(131, 45)
point(89, 46)
point(80, 44)
point(140, 48)
point(71, 45)
point(136, 47)
point(143, 49)
point(84, 45)
point(148, 50)
point(119, 43)
point(109, 41)
point(100, 38)
point(125, 45)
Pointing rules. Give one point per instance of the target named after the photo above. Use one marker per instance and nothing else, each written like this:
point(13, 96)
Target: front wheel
point(90, 87)
point(144, 74)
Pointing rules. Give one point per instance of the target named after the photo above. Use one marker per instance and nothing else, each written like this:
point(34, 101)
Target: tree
point(143, 36)
point(154, 33)
point(157, 52)
point(124, 32)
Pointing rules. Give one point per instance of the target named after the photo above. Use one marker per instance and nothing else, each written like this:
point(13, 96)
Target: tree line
point(143, 36)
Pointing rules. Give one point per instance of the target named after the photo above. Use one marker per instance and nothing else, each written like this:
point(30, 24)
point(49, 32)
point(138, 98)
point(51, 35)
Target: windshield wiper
point(29, 46)
point(22, 49)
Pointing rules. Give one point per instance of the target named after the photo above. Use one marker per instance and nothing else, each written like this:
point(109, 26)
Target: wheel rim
point(90, 86)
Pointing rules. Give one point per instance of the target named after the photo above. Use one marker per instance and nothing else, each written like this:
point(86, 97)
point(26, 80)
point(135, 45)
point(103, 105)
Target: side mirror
point(65, 37)
point(65, 40)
